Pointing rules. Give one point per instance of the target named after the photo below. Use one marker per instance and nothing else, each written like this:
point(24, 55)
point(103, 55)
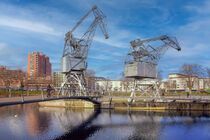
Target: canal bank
point(123, 105)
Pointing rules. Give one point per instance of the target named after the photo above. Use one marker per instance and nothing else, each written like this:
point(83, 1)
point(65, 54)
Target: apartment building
point(38, 64)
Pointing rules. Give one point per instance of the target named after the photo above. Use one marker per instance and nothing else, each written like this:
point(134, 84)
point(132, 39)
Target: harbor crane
point(142, 60)
point(75, 52)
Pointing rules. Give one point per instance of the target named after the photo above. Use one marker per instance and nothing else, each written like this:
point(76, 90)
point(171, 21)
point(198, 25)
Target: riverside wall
point(191, 106)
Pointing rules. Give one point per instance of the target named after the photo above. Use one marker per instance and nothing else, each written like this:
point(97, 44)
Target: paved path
point(35, 99)
point(18, 100)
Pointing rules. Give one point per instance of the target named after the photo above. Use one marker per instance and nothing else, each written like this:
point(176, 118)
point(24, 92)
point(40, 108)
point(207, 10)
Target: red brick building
point(11, 77)
point(38, 64)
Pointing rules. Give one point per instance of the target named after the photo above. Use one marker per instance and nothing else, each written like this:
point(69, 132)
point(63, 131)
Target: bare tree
point(125, 84)
point(208, 72)
point(191, 71)
point(208, 76)
point(159, 75)
point(107, 85)
point(90, 77)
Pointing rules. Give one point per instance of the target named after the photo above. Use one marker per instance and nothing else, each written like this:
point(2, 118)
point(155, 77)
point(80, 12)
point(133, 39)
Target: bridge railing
point(42, 92)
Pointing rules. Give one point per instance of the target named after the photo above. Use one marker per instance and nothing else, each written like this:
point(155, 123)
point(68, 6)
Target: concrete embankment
point(191, 106)
point(70, 103)
point(163, 106)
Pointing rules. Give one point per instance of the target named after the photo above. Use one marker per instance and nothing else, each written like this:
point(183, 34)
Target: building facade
point(38, 64)
point(125, 85)
point(37, 82)
point(58, 78)
point(11, 77)
point(180, 82)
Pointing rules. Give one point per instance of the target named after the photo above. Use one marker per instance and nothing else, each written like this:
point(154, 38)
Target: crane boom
point(142, 51)
point(168, 40)
point(68, 34)
point(76, 49)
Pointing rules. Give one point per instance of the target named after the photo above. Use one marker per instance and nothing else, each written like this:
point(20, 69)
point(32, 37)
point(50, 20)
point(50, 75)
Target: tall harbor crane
point(142, 60)
point(75, 52)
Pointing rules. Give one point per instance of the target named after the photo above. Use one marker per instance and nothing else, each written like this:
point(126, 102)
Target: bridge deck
point(35, 99)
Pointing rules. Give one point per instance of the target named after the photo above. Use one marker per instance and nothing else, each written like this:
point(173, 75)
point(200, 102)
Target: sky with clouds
point(40, 25)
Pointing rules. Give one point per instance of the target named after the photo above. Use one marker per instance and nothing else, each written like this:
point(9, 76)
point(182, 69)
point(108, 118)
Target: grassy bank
point(15, 93)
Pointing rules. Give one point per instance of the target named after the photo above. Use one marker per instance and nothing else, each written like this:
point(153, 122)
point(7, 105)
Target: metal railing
point(42, 92)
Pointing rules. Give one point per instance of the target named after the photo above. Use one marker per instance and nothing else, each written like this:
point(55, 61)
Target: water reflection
point(33, 122)
point(37, 122)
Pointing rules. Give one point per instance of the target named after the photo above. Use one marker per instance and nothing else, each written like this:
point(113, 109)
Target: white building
point(121, 85)
point(178, 81)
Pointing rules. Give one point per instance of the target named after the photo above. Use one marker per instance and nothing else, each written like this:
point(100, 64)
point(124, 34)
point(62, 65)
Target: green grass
point(208, 89)
point(15, 93)
point(193, 93)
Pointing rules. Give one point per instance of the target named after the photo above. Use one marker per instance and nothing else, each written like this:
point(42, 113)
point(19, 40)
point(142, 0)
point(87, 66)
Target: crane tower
point(75, 52)
point(142, 60)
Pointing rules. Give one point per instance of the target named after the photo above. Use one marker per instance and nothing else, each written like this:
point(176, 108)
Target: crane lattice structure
point(142, 60)
point(75, 52)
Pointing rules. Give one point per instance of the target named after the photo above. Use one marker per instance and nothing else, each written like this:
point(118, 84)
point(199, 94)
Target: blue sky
point(40, 25)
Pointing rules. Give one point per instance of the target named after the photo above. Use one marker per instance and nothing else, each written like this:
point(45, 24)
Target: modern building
point(38, 64)
point(11, 77)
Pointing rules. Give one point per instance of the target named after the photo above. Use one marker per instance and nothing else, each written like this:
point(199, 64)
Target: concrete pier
point(179, 106)
point(75, 103)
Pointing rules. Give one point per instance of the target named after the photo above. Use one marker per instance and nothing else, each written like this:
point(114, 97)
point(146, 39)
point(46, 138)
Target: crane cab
point(72, 64)
point(140, 70)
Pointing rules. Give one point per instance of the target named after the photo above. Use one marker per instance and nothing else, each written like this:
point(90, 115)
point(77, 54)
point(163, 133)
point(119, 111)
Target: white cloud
point(202, 9)
point(24, 24)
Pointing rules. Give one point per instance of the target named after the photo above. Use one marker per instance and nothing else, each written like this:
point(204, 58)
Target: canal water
point(30, 122)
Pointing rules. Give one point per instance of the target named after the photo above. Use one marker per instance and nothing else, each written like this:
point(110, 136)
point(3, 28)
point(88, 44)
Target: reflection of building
point(178, 81)
point(58, 79)
point(10, 77)
point(38, 64)
point(37, 122)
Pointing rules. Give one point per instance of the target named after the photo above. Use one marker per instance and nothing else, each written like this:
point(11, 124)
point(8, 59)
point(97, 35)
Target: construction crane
point(142, 60)
point(75, 52)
